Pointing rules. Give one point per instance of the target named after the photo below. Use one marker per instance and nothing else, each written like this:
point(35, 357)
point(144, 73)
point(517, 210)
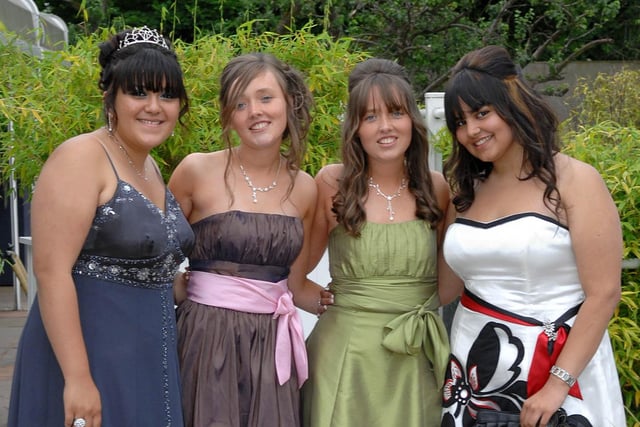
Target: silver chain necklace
point(403, 185)
point(254, 189)
point(143, 174)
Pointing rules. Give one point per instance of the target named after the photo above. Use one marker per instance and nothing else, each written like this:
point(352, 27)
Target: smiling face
point(260, 115)
point(145, 118)
point(485, 134)
point(384, 131)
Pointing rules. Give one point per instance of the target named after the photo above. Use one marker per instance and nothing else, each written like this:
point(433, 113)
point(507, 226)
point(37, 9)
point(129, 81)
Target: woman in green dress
point(377, 355)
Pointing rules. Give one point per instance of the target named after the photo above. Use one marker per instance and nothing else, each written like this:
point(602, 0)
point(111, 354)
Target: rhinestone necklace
point(403, 185)
point(254, 189)
point(142, 174)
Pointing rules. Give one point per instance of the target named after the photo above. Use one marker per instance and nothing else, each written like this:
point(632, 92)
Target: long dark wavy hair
point(139, 66)
point(237, 75)
point(394, 88)
point(489, 77)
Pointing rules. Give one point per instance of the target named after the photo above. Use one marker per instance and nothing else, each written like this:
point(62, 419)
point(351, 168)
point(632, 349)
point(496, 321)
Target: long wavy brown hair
point(237, 75)
point(489, 77)
point(391, 82)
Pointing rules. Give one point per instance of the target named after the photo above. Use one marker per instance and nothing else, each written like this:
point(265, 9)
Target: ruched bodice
point(252, 245)
point(406, 249)
point(382, 333)
point(389, 267)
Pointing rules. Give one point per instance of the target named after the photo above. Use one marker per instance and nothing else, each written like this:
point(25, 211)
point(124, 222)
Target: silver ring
point(79, 422)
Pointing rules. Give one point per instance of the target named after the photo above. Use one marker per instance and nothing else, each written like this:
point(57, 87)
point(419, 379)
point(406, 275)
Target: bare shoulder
point(78, 170)
point(198, 162)
point(439, 182)
point(574, 174)
point(329, 176)
point(196, 167)
point(441, 190)
point(305, 188)
point(81, 154)
point(305, 181)
point(580, 184)
point(83, 144)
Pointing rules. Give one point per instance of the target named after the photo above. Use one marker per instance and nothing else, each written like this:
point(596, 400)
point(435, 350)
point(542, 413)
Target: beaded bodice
point(133, 242)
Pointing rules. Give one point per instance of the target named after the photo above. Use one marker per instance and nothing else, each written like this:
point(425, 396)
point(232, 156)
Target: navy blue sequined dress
point(123, 279)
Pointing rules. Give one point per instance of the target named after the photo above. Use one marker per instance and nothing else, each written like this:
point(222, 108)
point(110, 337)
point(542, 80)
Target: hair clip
point(143, 35)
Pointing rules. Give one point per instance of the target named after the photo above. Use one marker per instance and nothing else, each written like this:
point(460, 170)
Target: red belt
point(549, 343)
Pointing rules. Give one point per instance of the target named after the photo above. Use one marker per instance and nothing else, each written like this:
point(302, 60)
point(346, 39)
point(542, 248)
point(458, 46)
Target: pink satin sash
point(257, 296)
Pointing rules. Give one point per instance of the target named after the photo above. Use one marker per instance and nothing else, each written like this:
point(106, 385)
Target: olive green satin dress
point(377, 356)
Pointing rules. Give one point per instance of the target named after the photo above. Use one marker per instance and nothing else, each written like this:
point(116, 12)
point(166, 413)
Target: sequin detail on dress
point(153, 273)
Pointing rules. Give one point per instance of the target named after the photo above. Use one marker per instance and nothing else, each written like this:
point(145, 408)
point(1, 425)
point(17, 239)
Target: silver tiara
point(143, 35)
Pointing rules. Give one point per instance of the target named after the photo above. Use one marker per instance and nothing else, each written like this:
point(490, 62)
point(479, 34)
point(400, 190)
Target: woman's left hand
point(326, 299)
point(539, 408)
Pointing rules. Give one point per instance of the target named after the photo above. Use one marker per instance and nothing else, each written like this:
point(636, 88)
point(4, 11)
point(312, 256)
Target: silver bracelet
point(565, 376)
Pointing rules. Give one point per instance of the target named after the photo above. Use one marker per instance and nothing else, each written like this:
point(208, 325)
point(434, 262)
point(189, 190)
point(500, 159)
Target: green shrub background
point(49, 99)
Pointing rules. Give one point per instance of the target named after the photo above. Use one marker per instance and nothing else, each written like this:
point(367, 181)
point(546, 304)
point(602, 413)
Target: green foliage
point(608, 97)
point(52, 98)
point(613, 150)
point(47, 100)
point(426, 36)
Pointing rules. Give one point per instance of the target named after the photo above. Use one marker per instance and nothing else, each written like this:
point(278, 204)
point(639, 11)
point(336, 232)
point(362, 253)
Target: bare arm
point(64, 203)
point(597, 243)
point(321, 225)
point(324, 220)
point(450, 286)
point(181, 184)
point(306, 293)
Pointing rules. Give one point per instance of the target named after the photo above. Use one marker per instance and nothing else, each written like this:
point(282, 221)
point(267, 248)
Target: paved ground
point(11, 322)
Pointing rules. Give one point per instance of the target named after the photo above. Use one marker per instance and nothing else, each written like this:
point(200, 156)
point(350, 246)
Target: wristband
point(565, 376)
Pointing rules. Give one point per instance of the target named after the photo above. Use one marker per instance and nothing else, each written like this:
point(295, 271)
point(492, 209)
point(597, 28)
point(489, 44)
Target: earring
point(109, 125)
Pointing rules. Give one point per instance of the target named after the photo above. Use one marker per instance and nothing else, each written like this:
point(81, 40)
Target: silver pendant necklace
point(403, 185)
point(142, 174)
point(254, 189)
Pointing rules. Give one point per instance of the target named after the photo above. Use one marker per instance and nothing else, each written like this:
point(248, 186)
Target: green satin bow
point(421, 328)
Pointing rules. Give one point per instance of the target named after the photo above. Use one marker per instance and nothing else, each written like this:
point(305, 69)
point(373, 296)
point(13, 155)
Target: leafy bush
point(607, 98)
point(52, 98)
point(606, 134)
point(614, 151)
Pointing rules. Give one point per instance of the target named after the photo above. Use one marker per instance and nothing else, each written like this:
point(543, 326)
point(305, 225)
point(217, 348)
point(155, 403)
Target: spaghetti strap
point(155, 167)
point(115, 171)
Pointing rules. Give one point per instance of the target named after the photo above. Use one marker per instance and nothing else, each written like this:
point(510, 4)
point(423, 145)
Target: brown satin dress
point(227, 357)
